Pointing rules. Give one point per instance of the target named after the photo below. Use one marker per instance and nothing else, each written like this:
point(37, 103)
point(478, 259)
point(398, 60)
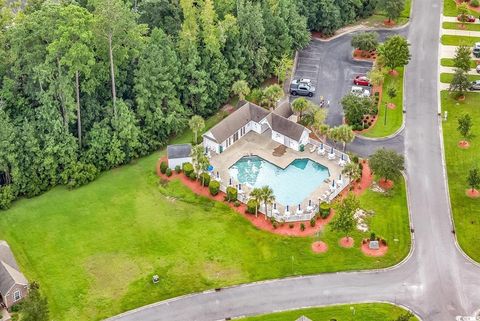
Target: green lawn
point(448, 62)
point(450, 9)
point(466, 211)
point(457, 25)
point(352, 312)
point(447, 78)
point(450, 40)
point(94, 250)
point(379, 17)
point(394, 116)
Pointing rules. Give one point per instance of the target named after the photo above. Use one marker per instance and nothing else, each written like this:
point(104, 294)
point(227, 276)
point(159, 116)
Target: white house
point(250, 117)
point(179, 154)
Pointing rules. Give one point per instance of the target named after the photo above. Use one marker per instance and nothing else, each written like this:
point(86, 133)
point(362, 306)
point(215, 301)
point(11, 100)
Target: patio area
point(261, 145)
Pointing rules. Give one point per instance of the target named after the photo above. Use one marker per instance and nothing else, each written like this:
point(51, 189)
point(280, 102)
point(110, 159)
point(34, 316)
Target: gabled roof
point(285, 127)
point(303, 318)
point(246, 113)
point(9, 272)
point(284, 109)
point(179, 151)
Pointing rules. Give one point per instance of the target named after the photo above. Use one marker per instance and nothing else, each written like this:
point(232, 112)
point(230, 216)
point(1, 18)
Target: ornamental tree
point(464, 125)
point(393, 8)
point(460, 82)
point(395, 52)
point(344, 221)
point(241, 89)
point(387, 164)
point(473, 179)
point(462, 59)
point(462, 11)
point(196, 124)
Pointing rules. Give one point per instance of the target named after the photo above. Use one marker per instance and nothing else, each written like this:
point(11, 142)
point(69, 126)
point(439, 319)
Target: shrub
point(7, 195)
point(79, 174)
point(251, 206)
point(312, 222)
point(236, 203)
point(178, 169)
point(163, 167)
point(365, 126)
point(302, 227)
point(168, 172)
point(291, 225)
point(205, 179)
point(193, 176)
point(187, 169)
point(372, 236)
point(324, 210)
point(355, 159)
point(383, 242)
point(376, 94)
point(360, 165)
point(232, 194)
point(475, 3)
point(214, 187)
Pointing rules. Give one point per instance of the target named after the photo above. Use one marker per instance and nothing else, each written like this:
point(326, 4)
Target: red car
point(361, 81)
point(468, 18)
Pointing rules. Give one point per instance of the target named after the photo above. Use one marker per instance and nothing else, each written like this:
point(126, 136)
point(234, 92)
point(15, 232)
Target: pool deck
point(262, 145)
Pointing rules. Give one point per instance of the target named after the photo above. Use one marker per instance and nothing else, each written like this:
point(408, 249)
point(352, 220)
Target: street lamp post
point(385, 119)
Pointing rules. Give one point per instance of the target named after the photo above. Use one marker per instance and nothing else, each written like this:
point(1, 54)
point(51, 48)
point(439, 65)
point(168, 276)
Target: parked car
point(360, 92)
point(469, 18)
point(301, 88)
point(476, 50)
point(475, 85)
point(305, 81)
point(362, 80)
point(478, 69)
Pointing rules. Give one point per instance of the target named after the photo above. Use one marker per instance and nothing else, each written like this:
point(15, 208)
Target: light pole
point(385, 119)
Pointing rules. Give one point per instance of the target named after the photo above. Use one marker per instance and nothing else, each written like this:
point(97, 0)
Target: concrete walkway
point(437, 281)
point(463, 33)
point(449, 19)
point(447, 51)
point(451, 70)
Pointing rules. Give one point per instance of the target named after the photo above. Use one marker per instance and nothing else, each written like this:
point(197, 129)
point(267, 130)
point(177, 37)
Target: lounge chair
point(321, 151)
point(339, 182)
point(286, 213)
point(331, 156)
point(299, 212)
point(342, 163)
point(333, 188)
point(275, 211)
point(313, 148)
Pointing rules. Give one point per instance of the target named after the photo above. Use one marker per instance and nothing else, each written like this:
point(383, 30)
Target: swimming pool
point(291, 185)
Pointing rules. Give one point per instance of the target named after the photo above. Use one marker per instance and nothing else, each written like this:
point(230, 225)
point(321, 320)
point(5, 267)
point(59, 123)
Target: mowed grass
point(394, 116)
point(450, 40)
point(466, 211)
point(448, 62)
point(357, 312)
point(458, 26)
point(447, 77)
point(450, 9)
point(94, 250)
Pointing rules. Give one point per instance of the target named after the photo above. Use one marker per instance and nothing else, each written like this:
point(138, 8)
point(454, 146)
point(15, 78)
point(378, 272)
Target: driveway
point(436, 281)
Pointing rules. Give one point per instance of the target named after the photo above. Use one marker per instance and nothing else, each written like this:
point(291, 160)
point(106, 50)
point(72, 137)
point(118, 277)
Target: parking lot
point(331, 68)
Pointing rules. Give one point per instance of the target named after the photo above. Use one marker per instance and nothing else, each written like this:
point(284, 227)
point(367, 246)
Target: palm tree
point(345, 135)
point(241, 89)
point(196, 124)
point(353, 171)
point(271, 95)
point(318, 126)
point(300, 105)
point(267, 197)
point(256, 194)
point(199, 160)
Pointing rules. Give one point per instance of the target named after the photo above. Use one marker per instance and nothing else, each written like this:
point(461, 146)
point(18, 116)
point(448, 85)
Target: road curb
point(363, 28)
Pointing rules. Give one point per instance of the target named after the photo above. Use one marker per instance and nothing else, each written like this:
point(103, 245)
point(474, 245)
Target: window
point(16, 296)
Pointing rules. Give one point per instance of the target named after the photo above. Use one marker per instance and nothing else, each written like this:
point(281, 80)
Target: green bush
point(355, 159)
point(178, 169)
point(7, 195)
point(205, 179)
point(236, 203)
point(214, 187)
point(372, 236)
point(163, 167)
point(232, 194)
point(168, 172)
point(302, 227)
point(475, 3)
point(193, 176)
point(80, 174)
point(187, 169)
point(312, 222)
point(251, 206)
point(324, 210)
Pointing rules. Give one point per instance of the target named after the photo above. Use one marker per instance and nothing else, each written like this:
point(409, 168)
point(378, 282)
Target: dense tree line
point(88, 86)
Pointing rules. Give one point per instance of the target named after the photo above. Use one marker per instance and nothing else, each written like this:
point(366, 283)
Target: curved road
point(436, 281)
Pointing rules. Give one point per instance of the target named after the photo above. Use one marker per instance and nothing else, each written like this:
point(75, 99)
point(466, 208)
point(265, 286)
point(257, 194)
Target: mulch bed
point(472, 193)
point(477, 9)
point(260, 222)
point(391, 106)
point(369, 252)
point(346, 242)
point(385, 184)
point(393, 73)
point(279, 151)
point(463, 144)
point(363, 55)
point(375, 89)
point(319, 247)
point(389, 23)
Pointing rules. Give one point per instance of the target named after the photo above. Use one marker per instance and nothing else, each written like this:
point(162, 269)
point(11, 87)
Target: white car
point(360, 92)
point(478, 69)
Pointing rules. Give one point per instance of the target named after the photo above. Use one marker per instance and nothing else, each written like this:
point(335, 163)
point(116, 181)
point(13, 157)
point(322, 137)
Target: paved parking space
point(332, 69)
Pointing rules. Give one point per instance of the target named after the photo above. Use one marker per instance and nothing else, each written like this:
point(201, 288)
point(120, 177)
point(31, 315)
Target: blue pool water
point(291, 185)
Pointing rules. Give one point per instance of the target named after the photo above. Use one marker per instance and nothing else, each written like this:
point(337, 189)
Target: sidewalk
point(456, 32)
point(449, 19)
point(447, 51)
point(451, 70)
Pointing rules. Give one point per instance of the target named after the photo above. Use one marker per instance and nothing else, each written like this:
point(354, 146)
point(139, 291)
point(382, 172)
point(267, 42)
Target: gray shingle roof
point(179, 151)
point(284, 110)
point(237, 120)
point(303, 318)
point(9, 273)
point(285, 127)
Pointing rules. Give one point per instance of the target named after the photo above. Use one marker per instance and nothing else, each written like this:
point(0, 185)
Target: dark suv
point(301, 88)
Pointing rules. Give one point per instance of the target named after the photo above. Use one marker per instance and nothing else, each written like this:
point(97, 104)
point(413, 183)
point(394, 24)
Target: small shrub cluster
point(324, 210)
point(302, 227)
point(236, 203)
point(168, 172)
point(193, 176)
point(291, 225)
point(204, 179)
point(312, 222)
point(475, 3)
point(163, 167)
point(178, 169)
point(187, 169)
point(232, 194)
point(214, 187)
point(252, 205)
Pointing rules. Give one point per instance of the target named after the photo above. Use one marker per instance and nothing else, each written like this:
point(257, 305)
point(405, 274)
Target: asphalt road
point(436, 281)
